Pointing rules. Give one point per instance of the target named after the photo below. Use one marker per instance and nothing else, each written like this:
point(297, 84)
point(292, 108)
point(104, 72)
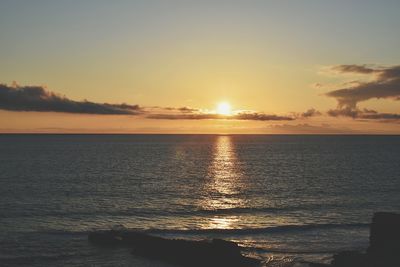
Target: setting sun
point(224, 108)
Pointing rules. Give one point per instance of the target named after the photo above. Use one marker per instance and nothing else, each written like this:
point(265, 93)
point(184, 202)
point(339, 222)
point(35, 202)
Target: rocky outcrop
point(384, 248)
point(214, 253)
point(383, 251)
point(351, 259)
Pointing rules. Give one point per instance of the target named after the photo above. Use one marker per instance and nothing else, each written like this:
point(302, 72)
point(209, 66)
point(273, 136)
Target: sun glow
point(224, 108)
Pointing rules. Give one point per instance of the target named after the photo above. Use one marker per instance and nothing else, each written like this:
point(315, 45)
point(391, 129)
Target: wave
point(214, 231)
point(28, 259)
point(238, 210)
point(159, 212)
point(291, 251)
point(262, 230)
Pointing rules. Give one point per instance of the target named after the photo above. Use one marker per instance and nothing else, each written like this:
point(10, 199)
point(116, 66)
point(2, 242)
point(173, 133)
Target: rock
point(116, 238)
point(384, 248)
point(214, 253)
point(313, 264)
point(350, 259)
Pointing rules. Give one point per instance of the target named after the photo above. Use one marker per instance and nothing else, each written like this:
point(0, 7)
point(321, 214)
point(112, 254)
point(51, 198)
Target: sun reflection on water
point(224, 185)
point(225, 222)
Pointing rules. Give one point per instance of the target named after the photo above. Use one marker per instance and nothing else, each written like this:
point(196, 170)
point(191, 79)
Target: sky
point(284, 67)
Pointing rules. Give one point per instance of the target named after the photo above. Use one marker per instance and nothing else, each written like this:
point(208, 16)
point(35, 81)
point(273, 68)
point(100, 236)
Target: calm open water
point(291, 197)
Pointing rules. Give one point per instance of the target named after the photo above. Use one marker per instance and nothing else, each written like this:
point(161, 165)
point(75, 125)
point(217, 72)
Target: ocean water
point(285, 198)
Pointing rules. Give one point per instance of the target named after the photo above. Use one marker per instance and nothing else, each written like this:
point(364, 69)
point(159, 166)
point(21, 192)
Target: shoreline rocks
point(383, 251)
point(384, 247)
point(213, 253)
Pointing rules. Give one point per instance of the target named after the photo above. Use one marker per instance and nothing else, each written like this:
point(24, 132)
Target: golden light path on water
point(224, 186)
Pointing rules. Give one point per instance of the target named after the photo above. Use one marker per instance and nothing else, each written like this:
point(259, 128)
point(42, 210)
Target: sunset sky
point(204, 66)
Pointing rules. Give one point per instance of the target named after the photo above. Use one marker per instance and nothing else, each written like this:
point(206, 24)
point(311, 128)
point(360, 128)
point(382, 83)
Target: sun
point(224, 108)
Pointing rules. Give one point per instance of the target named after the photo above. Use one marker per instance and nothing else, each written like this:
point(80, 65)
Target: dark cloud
point(310, 113)
point(381, 116)
point(260, 117)
point(36, 98)
point(196, 116)
point(181, 109)
point(361, 69)
point(254, 116)
point(186, 113)
point(187, 109)
point(344, 112)
point(366, 114)
point(385, 84)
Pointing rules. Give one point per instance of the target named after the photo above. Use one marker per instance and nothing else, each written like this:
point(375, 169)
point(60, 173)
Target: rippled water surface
point(288, 196)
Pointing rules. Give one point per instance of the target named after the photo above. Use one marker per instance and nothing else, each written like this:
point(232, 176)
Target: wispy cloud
point(180, 109)
point(305, 128)
point(352, 68)
point(365, 114)
point(254, 116)
point(37, 98)
point(312, 112)
point(190, 113)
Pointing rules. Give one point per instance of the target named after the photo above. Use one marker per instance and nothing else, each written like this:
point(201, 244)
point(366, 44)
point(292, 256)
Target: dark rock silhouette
point(383, 251)
point(211, 253)
point(351, 259)
point(384, 248)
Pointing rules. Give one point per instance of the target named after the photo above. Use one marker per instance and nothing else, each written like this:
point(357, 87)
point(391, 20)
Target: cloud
point(196, 116)
point(365, 114)
point(254, 116)
point(344, 112)
point(36, 98)
point(385, 84)
point(309, 129)
point(187, 109)
point(181, 109)
point(310, 113)
point(382, 116)
point(360, 69)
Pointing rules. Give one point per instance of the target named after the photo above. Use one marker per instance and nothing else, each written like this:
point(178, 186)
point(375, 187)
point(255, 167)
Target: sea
point(286, 199)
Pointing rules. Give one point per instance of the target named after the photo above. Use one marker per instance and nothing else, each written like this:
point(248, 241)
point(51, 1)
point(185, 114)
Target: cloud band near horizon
point(254, 116)
point(36, 98)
